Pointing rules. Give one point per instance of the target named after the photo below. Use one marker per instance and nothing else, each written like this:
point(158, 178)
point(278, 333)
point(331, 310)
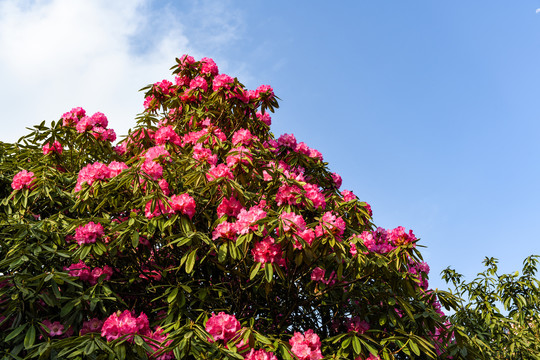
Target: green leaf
point(268, 272)
point(190, 262)
point(356, 345)
point(30, 337)
point(414, 347)
point(15, 332)
point(255, 271)
point(135, 239)
point(172, 295)
point(222, 253)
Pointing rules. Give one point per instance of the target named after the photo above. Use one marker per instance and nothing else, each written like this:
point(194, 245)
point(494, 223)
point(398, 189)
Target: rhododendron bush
point(201, 235)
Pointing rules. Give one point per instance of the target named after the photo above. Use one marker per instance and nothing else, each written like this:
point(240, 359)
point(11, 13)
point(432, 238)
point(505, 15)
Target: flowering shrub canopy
point(201, 235)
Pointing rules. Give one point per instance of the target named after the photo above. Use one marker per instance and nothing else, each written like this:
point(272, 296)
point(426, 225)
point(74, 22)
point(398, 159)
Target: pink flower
point(80, 270)
point(313, 193)
point(55, 147)
point(220, 171)
point(222, 326)
point(267, 251)
point(186, 60)
point(229, 207)
point(348, 195)
point(149, 102)
point(203, 154)
point(208, 66)
point(92, 326)
point(292, 222)
point(306, 346)
point(89, 233)
point(164, 86)
point(247, 218)
point(183, 203)
point(225, 230)
point(23, 179)
point(238, 155)
point(317, 274)
point(156, 152)
point(72, 117)
point(167, 134)
point(399, 237)
point(288, 194)
point(198, 83)
point(118, 325)
point(164, 186)
point(116, 168)
point(265, 118)
point(54, 329)
point(377, 241)
point(157, 208)
point(265, 91)
point(260, 355)
point(153, 169)
point(308, 235)
point(353, 249)
point(287, 141)
point(243, 137)
point(222, 81)
point(337, 179)
point(331, 224)
point(97, 272)
point(92, 172)
point(358, 325)
point(98, 119)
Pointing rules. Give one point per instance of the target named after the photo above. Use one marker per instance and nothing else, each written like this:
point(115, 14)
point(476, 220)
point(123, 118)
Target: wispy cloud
point(96, 54)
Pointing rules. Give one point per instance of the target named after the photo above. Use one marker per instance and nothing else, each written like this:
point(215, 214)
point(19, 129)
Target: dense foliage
point(512, 333)
point(201, 235)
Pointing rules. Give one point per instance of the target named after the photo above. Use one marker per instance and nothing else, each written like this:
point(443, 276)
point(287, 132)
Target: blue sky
point(429, 110)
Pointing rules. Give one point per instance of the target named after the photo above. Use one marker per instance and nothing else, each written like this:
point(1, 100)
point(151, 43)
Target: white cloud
point(59, 54)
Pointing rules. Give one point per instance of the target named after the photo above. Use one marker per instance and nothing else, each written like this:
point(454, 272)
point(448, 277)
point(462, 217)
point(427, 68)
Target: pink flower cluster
point(89, 233)
point(243, 137)
point(238, 155)
point(330, 223)
point(23, 179)
point(260, 355)
point(98, 171)
point(358, 325)
point(306, 346)
point(289, 140)
point(166, 134)
point(265, 118)
point(267, 251)
point(85, 273)
point(246, 219)
point(183, 203)
point(118, 325)
point(296, 225)
point(229, 206)
point(220, 171)
point(204, 155)
point(73, 116)
point(222, 81)
point(382, 241)
point(222, 326)
point(318, 275)
point(244, 224)
point(420, 270)
point(53, 328)
point(55, 147)
point(96, 124)
point(91, 326)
